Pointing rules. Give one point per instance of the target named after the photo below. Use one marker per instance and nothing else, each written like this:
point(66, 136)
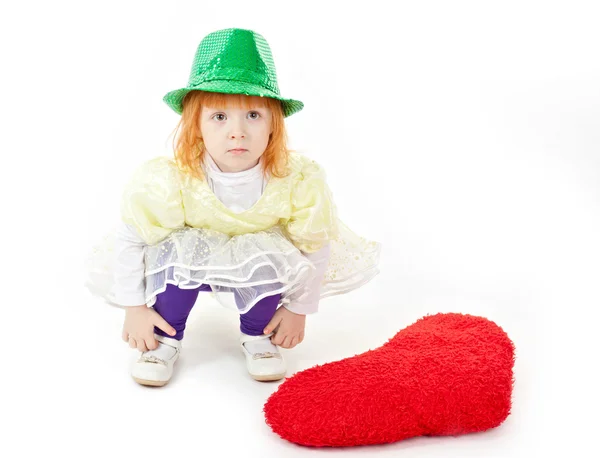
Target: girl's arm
point(129, 282)
point(306, 300)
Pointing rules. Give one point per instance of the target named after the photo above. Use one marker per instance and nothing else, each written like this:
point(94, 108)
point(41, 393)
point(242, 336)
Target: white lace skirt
point(241, 270)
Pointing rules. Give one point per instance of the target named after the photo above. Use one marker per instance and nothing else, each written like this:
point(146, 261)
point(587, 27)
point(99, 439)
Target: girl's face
point(226, 130)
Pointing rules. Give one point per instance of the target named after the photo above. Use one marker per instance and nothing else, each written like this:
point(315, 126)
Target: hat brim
point(174, 98)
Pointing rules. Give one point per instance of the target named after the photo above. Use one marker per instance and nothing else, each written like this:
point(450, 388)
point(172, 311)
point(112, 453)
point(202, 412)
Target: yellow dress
point(192, 238)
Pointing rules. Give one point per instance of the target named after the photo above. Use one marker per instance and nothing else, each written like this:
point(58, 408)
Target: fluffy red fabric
point(446, 374)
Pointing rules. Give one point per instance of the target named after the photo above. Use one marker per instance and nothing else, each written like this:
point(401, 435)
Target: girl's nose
point(236, 129)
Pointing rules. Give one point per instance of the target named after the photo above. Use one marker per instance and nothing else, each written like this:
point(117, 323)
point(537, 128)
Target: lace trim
point(152, 359)
point(266, 354)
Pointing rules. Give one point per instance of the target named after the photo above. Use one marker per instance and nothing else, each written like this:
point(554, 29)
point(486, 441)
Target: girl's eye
point(252, 115)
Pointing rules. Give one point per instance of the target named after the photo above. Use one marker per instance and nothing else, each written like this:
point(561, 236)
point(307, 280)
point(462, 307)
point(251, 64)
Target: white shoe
point(155, 367)
point(263, 360)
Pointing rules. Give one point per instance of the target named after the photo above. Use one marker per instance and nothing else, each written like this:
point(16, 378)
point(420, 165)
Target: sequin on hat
point(233, 61)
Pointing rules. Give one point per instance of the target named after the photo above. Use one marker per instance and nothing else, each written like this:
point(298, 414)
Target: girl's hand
point(138, 328)
point(288, 327)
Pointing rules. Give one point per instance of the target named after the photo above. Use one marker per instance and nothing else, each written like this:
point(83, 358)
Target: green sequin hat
point(233, 61)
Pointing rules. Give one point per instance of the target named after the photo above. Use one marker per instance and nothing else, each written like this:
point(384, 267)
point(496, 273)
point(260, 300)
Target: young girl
point(235, 213)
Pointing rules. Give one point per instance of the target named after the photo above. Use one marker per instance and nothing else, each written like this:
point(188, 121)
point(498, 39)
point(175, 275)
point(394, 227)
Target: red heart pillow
point(446, 374)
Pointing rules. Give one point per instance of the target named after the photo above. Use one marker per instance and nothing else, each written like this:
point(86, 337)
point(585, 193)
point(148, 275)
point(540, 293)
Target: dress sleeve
point(129, 282)
point(305, 301)
point(313, 221)
point(152, 201)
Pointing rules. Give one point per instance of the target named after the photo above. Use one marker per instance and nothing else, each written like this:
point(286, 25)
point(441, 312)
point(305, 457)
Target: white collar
point(213, 171)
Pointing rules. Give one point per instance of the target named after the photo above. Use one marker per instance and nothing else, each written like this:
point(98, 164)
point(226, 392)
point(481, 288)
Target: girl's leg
point(174, 305)
point(263, 360)
point(253, 322)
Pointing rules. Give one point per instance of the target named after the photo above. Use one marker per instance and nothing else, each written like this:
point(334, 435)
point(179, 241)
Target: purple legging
point(175, 304)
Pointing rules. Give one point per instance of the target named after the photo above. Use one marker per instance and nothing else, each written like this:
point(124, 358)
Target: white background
point(464, 136)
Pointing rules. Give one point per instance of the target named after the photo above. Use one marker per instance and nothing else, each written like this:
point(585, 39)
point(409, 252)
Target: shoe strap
point(246, 338)
point(176, 344)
